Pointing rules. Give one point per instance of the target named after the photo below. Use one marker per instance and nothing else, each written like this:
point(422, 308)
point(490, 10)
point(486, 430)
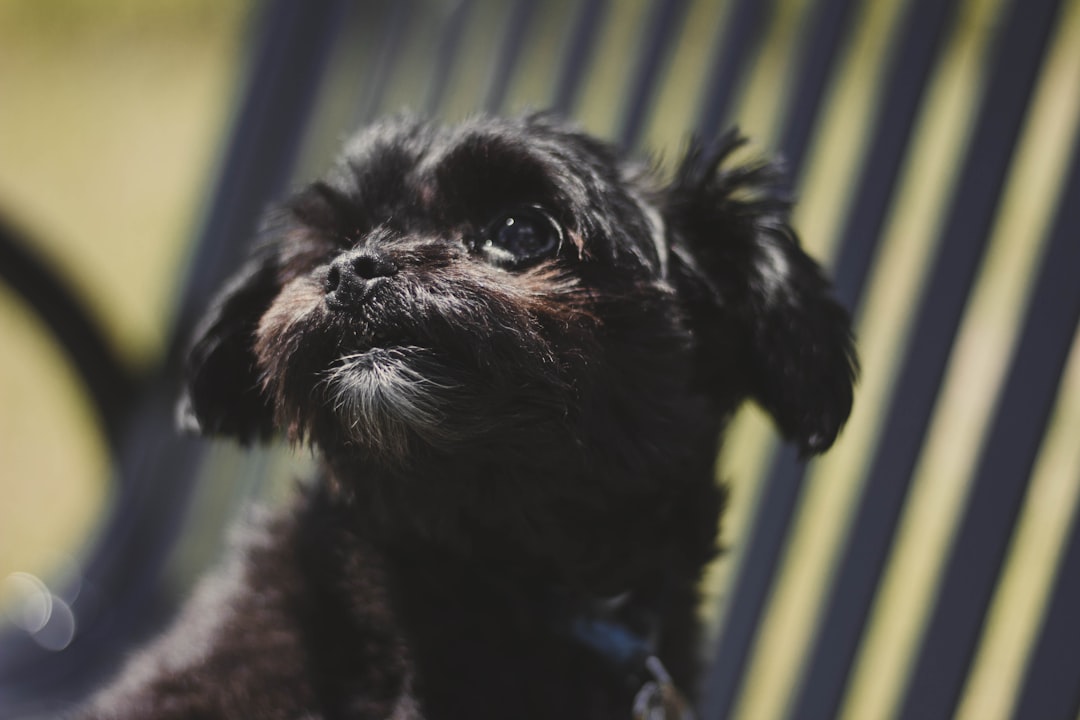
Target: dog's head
point(513, 293)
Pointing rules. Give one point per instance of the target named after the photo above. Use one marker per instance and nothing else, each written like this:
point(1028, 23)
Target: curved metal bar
point(124, 567)
point(110, 383)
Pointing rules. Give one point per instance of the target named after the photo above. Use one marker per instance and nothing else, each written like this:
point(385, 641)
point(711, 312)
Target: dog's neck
point(649, 548)
point(462, 611)
point(594, 542)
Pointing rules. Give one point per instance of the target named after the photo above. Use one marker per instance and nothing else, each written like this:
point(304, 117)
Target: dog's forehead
point(489, 165)
point(491, 169)
point(516, 157)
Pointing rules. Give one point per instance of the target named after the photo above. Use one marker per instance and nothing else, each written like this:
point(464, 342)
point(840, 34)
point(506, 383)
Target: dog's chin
point(386, 400)
point(398, 406)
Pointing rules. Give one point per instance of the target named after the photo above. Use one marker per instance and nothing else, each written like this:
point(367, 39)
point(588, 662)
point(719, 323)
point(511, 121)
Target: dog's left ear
point(223, 395)
point(761, 307)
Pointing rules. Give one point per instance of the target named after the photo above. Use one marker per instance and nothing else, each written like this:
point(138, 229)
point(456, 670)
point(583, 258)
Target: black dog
point(514, 353)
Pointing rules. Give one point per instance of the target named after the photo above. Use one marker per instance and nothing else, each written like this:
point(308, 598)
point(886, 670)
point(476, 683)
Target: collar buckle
point(658, 698)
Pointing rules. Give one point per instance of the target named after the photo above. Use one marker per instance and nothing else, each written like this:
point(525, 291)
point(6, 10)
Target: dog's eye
point(522, 236)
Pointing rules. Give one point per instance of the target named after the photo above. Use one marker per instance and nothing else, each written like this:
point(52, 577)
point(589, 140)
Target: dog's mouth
point(362, 328)
point(382, 337)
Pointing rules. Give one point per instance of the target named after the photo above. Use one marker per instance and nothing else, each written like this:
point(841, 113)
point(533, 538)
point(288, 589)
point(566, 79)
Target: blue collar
point(621, 630)
point(632, 657)
point(626, 642)
point(624, 649)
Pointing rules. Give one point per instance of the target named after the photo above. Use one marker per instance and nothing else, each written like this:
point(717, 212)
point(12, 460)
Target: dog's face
point(510, 296)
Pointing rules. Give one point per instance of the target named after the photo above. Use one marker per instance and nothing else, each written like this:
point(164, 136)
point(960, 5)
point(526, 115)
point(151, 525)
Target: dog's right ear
point(223, 394)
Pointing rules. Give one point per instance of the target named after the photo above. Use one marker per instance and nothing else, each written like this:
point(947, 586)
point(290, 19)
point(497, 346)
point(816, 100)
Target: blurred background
point(112, 118)
point(139, 142)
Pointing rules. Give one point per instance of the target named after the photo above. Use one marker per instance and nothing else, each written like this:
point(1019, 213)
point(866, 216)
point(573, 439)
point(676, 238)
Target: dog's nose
point(351, 274)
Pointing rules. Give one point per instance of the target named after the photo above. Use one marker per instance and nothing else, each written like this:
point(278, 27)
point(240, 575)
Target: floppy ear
point(761, 307)
point(223, 395)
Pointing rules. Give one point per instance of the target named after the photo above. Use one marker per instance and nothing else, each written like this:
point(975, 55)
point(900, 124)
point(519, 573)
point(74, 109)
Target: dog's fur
point(514, 353)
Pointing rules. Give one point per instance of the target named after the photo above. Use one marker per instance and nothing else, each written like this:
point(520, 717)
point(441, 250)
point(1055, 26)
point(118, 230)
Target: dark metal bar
point(909, 73)
point(446, 54)
point(294, 47)
point(1010, 80)
point(395, 27)
point(740, 37)
point(578, 55)
point(1051, 686)
point(752, 586)
point(829, 32)
point(1004, 468)
point(916, 51)
point(513, 40)
point(664, 21)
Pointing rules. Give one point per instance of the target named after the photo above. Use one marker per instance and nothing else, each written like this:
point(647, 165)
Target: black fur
point(503, 417)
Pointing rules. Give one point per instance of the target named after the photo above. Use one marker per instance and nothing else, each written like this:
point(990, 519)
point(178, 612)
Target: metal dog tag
point(659, 699)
